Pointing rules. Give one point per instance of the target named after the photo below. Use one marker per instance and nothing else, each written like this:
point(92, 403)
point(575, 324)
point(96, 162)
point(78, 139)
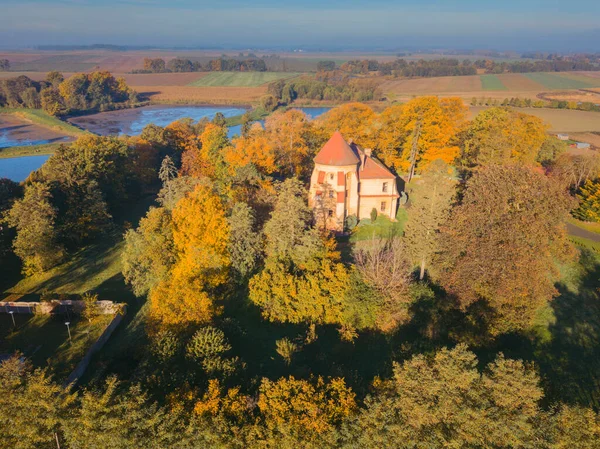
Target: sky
point(546, 25)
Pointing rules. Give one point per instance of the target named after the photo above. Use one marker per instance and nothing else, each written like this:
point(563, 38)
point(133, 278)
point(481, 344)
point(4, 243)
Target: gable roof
point(336, 152)
point(371, 168)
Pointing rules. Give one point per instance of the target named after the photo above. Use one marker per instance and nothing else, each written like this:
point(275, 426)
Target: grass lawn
point(39, 117)
point(240, 79)
point(492, 82)
point(30, 150)
point(96, 267)
point(587, 225)
point(45, 341)
point(555, 81)
point(383, 227)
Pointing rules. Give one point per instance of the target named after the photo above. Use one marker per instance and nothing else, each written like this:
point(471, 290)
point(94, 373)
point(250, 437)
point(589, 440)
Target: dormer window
point(385, 187)
point(331, 176)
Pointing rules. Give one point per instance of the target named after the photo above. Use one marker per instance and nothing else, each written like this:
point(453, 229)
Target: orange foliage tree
point(200, 238)
point(419, 132)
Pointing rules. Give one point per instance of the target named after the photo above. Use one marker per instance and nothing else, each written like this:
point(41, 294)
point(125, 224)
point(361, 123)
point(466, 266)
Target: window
point(385, 187)
point(383, 206)
point(331, 192)
point(330, 213)
point(331, 176)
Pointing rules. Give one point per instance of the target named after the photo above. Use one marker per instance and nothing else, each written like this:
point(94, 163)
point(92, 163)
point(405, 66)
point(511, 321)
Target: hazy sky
point(501, 24)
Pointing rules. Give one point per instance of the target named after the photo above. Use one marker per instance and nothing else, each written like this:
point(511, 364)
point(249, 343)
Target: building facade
point(346, 181)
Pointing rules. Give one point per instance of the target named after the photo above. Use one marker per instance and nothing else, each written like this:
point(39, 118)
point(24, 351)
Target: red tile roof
point(336, 152)
point(371, 168)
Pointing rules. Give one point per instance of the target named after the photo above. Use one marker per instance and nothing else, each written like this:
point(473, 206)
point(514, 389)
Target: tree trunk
point(422, 273)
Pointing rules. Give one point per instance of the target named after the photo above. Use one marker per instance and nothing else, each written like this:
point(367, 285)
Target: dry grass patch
point(560, 120)
point(202, 95)
point(519, 83)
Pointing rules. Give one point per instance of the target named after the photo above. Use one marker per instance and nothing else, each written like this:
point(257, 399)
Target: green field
point(240, 79)
point(554, 81)
point(492, 82)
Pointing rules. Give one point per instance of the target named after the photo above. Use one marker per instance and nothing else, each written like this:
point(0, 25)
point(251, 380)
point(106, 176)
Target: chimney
point(368, 152)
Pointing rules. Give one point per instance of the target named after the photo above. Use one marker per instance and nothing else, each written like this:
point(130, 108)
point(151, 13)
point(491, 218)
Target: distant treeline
point(331, 86)
point(580, 57)
point(95, 91)
point(454, 67)
point(158, 65)
point(4, 65)
point(529, 103)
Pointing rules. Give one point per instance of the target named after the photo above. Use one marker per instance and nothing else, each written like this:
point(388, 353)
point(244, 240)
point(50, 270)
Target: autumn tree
point(430, 205)
point(200, 238)
point(444, 401)
point(10, 191)
point(355, 121)
point(384, 266)
point(499, 245)
point(422, 131)
point(51, 101)
point(253, 148)
point(34, 218)
point(308, 407)
point(290, 135)
point(550, 150)
point(574, 170)
point(499, 135)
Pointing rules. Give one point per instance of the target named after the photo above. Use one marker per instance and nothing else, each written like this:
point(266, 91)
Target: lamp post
point(12, 315)
point(68, 330)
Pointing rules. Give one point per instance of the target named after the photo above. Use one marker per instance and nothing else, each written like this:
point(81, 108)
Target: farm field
point(560, 120)
point(492, 82)
point(204, 95)
point(240, 79)
point(556, 81)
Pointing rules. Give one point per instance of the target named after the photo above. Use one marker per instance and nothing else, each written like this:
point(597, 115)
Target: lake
point(18, 168)
point(127, 121)
point(133, 121)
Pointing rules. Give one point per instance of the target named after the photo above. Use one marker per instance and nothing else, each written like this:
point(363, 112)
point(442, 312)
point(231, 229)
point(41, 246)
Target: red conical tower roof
point(336, 152)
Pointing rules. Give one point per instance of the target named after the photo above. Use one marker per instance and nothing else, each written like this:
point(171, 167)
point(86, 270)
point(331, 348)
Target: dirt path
point(583, 233)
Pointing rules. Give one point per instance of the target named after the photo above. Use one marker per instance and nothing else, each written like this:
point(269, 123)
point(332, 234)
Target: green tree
point(444, 401)
point(498, 247)
point(33, 407)
point(288, 230)
point(115, 417)
point(430, 206)
point(589, 202)
point(245, 243)
point(91, 310)
point(34, 218)
point(550, 150)
point(51, 101)
point(149, 251)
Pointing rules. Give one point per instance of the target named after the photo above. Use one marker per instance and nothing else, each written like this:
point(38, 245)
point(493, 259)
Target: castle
point(346, 181)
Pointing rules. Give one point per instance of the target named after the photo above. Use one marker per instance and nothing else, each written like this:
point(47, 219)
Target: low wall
point(85, 361)
point(54, 306)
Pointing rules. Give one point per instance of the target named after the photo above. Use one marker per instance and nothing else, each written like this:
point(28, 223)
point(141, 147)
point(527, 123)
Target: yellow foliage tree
point(200, 238)
point(215, 401)
point(500, 135)
point(420, 132)
point(289, 134)
point(355, 121)
point(308, 407)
